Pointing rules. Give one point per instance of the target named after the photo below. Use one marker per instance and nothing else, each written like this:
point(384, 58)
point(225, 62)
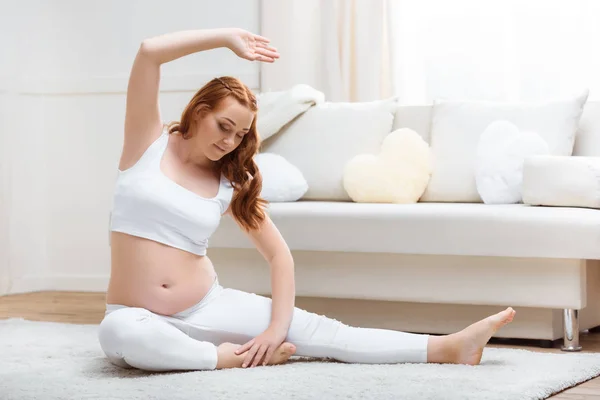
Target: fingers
point(257, 354)
point(258, 57)
point(260, 354)
point(244, 347)
point(269, 355)
point(250, 355)
point(266, 46)
point(261, 38)
point(254, 56)
point(267, 53)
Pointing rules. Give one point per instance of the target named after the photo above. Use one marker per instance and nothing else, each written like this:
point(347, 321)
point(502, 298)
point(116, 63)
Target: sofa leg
point(571, 330)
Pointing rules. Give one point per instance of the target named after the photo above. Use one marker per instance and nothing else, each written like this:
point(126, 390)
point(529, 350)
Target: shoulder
point(226, 192)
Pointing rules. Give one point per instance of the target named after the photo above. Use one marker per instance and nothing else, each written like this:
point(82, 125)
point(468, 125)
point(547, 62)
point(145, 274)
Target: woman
point(165, 307)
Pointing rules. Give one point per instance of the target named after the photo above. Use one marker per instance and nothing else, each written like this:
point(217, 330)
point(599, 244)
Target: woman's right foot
point(466, 346)
point(228, 359)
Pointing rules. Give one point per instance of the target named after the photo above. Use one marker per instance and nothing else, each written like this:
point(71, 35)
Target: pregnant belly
point(156, 277)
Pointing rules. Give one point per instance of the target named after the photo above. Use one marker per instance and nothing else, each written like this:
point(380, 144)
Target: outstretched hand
point(251, 47)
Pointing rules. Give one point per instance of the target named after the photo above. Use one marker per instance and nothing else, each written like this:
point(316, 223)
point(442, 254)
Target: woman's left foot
point(471, 341)
point(466, 346)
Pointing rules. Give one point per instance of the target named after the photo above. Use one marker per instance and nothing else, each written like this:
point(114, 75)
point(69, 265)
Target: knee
point(121, 330)
point(312, 327)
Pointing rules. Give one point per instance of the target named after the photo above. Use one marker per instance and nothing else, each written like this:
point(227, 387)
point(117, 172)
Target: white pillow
point(322, 140)
point(562, 181)
point(398, 174)
point(281, 180)
point(501, 152)
point(275, 109)
point(457, 125)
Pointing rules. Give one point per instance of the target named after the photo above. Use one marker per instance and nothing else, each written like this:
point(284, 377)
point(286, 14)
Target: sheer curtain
point(514, 50)
point(340, 47)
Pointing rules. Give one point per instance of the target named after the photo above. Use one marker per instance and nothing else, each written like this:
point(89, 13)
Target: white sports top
point(148, 204)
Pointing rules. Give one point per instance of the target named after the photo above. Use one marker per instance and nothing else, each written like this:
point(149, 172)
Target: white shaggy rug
point(45, 360)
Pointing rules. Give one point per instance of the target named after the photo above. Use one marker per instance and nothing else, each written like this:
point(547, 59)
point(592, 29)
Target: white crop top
point(150, 205)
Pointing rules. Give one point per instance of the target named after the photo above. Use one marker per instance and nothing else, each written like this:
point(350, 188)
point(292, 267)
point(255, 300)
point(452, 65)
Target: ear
point(200, 113)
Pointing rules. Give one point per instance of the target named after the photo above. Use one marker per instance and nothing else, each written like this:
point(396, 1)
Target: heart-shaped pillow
point(399, 174)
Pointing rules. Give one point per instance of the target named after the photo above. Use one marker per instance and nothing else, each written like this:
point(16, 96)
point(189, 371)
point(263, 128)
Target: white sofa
point(434, 267)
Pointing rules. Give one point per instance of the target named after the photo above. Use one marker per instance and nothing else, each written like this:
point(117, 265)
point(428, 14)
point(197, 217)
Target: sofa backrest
point(417, 118)
point(587, 141)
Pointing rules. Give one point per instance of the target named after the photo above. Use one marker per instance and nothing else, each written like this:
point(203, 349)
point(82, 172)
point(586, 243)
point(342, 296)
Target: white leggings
point(138, 338)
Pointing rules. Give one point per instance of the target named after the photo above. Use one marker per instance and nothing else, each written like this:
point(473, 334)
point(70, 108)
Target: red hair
point(238, 166)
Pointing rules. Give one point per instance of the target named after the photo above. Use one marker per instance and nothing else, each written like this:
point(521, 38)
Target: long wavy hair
point(238, 166)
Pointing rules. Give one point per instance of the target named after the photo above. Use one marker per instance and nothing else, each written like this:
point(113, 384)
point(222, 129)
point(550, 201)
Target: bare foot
point(282, 354)
point(466, 346)
point(473, 338)
point(228, 359)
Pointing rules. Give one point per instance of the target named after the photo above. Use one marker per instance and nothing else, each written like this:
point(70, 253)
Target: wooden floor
point(88, 308)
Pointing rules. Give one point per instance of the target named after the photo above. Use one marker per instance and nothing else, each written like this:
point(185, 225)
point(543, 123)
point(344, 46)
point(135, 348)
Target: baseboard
point(67, 283)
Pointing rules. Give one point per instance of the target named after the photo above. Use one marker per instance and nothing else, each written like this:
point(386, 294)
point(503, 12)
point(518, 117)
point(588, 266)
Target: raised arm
point(143, 123)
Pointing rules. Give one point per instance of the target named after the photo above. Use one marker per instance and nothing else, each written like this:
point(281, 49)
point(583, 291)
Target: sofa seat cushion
point(512, 230)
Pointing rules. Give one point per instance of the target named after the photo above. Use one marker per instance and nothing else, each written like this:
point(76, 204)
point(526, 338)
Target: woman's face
point(221, 130)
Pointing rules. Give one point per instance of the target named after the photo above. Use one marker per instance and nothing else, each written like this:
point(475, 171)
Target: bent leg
point(136, 337)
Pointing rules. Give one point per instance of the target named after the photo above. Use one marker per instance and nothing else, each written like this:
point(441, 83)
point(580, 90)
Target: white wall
point(65, 99)
point(8, 67)
point(4, 186)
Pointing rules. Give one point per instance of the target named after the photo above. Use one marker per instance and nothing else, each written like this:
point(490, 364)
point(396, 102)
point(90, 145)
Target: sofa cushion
point(456, 127)
point(513, 230)
point(587, 139)
point(562, 181)
point(282, 181)
point(501, 151)
point(398, 174)
point(322, 140)
point(417, 118)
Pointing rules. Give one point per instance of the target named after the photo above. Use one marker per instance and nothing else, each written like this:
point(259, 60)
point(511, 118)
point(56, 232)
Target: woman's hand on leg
point(261, 348)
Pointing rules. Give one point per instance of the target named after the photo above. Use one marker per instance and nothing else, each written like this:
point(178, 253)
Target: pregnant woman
point(165, 307)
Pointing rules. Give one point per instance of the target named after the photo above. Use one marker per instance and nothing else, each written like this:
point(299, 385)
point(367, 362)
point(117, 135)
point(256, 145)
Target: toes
point(508, 315)
point(288, 348)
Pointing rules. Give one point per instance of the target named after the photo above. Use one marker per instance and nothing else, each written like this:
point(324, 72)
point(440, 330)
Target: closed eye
point(227, 129)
